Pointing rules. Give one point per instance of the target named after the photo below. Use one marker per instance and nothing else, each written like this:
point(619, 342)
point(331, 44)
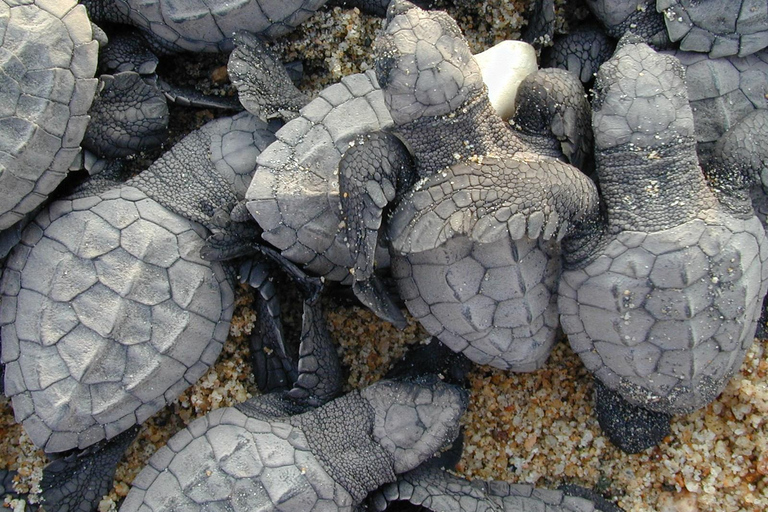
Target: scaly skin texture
point(127, 116)
point(661, 300)
point(720, 28)
point(328, 458)
point(49, 58)
point(581, 52)
point(474, 242)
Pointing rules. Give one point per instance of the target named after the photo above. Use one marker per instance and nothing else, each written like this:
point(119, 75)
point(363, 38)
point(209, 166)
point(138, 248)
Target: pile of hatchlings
point(192, 244)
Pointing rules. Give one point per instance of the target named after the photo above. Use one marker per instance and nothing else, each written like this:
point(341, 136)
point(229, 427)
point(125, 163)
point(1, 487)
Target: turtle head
point(423, 64)
point(640, 99)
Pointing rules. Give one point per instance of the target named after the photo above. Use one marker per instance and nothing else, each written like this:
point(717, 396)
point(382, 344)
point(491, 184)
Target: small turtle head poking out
point(423, 64)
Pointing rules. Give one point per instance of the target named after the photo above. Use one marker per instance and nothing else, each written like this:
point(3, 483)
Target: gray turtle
point(475, 241)
point(49, 60)
point(661, 298)
point(294, 195)
point(717, 27)
point(108, 311)
point(279, 452)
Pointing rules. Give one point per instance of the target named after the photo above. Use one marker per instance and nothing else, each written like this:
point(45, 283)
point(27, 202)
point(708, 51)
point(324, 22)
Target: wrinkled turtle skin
point(108, 310)
point(661, 299)
point(49, 58)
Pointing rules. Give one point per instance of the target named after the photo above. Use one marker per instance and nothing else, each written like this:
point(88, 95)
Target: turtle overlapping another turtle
point(475, 240)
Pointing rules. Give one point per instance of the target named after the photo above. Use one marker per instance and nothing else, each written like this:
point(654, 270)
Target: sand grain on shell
point(536, 428)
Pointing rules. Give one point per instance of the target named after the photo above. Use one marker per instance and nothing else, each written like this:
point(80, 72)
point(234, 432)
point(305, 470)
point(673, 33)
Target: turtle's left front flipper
point(371, 174)
point(488, 198)
point(78, 482)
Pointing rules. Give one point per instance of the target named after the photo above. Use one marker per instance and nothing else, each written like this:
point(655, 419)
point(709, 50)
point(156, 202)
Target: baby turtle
point(296, 450)
point(49, 59)
point(108, 310)
point(294, 195)
point(475, 241)
point(660, 299)
point(718, 27)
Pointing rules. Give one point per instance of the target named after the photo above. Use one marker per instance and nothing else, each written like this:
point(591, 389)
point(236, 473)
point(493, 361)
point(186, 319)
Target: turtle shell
point(294, 194)
point(108, 314)
point(236, 462)
point(717, 27)
point(48, 58)
point(665, 318)
point(209, 26)
point(723, 91)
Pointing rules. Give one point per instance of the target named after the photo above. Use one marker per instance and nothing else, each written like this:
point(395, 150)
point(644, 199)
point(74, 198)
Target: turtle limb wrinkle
point(535, 196)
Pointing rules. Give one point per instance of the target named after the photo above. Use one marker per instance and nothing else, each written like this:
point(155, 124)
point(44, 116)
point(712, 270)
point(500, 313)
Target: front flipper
point(78, 482)
point(128, 115)
point(262, 82)
point(371, 174)
point(488, 198)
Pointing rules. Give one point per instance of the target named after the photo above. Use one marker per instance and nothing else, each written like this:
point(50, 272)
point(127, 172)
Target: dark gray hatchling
point(49, 58)
point(108, 311)
point(660, 298)
point(281, 451)
point(718, 27)
point(475, 241)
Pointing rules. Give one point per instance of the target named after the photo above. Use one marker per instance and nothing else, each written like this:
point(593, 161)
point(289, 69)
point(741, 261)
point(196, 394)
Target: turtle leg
point(631, 428)
point(541, 24)
point(371, 173)
point(263, 84)
point(77, 482)
point(127, 115)
point(126, 51)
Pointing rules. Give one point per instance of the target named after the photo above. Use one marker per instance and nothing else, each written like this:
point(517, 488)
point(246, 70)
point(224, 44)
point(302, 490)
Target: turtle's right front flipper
point(371, 174)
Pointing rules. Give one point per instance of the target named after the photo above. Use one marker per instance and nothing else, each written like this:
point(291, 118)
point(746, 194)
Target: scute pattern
point(108, 313)
point(495, 302)
point(48, 58)
point(227, 461)
point(653, 315)
point(720, 28)
point(294, 192)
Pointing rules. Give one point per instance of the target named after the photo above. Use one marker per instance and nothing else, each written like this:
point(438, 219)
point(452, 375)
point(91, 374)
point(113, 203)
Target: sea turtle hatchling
point(108, 311)
point(294, 195)
point(661, 298)
point(475, 241)
point(297, 451)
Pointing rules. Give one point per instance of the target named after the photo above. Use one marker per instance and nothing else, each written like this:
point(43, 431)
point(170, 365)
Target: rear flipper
point(434, 489)
point(78, 482)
